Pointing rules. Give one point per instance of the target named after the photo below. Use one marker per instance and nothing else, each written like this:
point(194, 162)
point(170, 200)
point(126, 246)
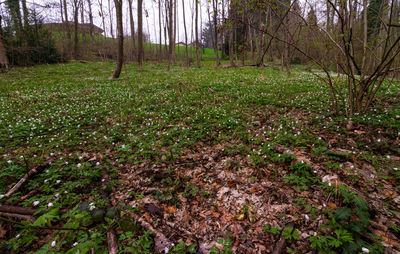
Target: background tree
point(120, 55)
point(140, 33)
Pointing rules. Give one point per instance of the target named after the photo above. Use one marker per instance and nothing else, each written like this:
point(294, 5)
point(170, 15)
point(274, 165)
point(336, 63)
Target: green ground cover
point(94, 131)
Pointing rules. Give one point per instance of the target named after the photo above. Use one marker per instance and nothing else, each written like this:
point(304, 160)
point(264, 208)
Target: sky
point(150, 15)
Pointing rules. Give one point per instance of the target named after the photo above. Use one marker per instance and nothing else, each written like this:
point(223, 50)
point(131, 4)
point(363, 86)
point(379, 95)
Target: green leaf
point(342, 214)
point(47, 217)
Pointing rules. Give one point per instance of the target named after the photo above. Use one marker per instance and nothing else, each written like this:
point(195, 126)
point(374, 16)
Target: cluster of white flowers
point(92, 206)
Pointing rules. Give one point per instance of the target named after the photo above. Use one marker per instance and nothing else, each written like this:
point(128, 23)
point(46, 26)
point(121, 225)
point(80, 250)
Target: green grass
point(90, 124)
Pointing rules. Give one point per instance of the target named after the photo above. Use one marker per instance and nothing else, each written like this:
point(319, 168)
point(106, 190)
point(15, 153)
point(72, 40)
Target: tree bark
point(132, 25)
point(140, 34)
point(215, 16)
point(111, 20)
point(91, 20)
point(67, 26)
point(231, 12)
point(197, 34)
point(186, 37)
point(170, 32)
point(160, 26)
point(76, 40)
point(120, 54)
point(3, 53)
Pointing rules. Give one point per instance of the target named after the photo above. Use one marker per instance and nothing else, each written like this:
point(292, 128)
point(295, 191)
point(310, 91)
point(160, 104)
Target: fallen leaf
point(171, 210)
point(332, 205)
point(2, 232)
point(240, 217)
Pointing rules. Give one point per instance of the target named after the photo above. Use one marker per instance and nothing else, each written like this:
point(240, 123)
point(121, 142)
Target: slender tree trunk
point(120, 54)
point(67, 25)
point(231, 11)
point(76, 40)
point(3, 53)
point(140, 33)
point(170, 31)
point(215, 7)
point(160, 27)
point(111, 19)
point(197, 34)
point(186, 37)
point(61, 12)
point(91, 20)
point(174, 35)
point(132, 25)
point(223, 39)
point(102, 17)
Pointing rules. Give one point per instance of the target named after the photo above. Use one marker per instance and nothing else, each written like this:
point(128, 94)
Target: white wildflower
point(50, 204)
point(35, 203)
point(75, 243)
point(97, 163)
point(53, 244)
point(9, 161)
point(79, 165)
point(365, 250)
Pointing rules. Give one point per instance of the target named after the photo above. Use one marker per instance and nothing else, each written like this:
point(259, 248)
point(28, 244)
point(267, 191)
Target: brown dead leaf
point(2, 232)
point(386, 239)
point(240, 217)
point(147, 217)
point(332, 205)
point(390, 193)
point(171, 210)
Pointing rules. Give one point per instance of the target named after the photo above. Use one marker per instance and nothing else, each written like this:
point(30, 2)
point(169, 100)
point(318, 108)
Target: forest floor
point(241, 160)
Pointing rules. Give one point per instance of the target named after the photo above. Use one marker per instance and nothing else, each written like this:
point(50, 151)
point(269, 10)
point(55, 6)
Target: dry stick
point(161, 242)
point(26, 177)
point(112, 242)
point(281, 244)
point(17, 210)
point(18, 216)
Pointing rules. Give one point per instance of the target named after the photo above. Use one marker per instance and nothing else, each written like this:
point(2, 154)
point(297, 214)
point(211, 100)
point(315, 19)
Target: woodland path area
point(217, 160)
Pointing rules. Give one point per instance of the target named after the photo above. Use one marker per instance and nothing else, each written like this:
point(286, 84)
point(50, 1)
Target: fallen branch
point(161, 242)
point(18, 216)
point(281, 244)
point(17, 209)
point(26, 177)
point(112, 242)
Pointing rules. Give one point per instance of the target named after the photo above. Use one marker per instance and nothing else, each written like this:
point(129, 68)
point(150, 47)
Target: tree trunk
point(174, 36)
point(159, 23)
point(231, 11)
point(120, 55)
point(215, 7)
point(197, 34)
point(170, 32)
point(76, 40)
point(91, 20)
point(67, 26)
point(186, 37)
point(140, 34)
point(132, 25)
point(61, 12)
point(3, 53)
point(111, 20)
point(102, 17)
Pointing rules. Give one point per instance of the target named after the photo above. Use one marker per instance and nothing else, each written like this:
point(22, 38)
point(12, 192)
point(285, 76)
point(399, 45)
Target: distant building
point(83, 28)
point(181, 44)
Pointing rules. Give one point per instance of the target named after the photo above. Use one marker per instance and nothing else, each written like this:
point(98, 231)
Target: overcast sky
point(150, 15)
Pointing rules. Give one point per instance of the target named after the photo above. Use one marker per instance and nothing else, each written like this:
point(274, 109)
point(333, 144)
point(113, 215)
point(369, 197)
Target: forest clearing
point(220, 159)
